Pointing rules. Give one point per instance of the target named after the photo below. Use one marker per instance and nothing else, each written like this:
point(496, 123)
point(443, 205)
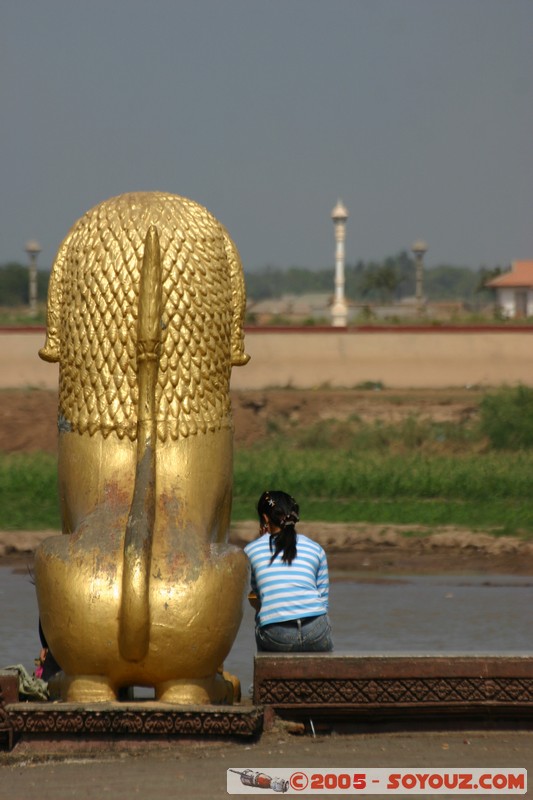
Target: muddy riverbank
point(363, 549)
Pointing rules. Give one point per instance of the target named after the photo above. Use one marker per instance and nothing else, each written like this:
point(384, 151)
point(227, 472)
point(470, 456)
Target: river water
point(463, 614)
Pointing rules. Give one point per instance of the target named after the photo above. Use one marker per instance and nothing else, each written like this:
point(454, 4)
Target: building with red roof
point(514, 290)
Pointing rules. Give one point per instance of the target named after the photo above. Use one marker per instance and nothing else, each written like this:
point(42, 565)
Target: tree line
point(15, 285)
point(374, 282)
point(386, 281)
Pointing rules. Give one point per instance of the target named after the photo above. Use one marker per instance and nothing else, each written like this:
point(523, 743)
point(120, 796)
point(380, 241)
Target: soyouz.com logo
point(406, 781)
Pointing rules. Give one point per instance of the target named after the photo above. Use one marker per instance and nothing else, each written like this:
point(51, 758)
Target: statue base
point(69, 724)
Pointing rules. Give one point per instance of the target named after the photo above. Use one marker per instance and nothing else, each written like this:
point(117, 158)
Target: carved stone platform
point(138, 720)
point(404, 688)
point(368, 691)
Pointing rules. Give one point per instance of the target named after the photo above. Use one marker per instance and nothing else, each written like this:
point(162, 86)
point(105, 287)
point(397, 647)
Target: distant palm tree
point(383, 280)
point(486, 275)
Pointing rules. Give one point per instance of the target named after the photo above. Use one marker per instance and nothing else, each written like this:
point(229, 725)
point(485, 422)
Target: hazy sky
point(417, 113)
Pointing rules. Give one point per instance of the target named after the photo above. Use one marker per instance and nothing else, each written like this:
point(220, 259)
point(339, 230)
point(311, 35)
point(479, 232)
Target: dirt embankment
point(28, 424)
point(28, 417)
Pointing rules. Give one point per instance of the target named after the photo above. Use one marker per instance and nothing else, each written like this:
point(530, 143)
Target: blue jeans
point(309, 634)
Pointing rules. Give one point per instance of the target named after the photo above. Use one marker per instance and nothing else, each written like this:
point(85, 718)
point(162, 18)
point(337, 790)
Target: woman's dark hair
point(282, 510)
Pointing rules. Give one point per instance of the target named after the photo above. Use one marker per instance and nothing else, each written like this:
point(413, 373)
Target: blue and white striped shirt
point(289, 591)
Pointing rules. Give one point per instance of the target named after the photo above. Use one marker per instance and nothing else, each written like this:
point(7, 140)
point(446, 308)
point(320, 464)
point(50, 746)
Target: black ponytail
point(283, 511)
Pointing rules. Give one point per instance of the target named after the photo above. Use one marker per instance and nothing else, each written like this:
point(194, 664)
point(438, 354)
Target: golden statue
point(145, 317)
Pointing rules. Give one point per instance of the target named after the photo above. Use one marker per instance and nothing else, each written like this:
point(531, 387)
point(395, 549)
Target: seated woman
point(290, 582)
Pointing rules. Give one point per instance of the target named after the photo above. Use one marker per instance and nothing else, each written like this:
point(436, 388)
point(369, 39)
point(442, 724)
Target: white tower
point(339, 311)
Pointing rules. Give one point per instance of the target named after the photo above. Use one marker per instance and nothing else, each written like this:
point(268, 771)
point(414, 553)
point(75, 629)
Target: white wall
point(506, 302)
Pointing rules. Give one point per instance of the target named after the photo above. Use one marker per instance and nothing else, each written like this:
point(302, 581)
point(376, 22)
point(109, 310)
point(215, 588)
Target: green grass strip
point(477, 491)
point(483, 491)
point(28, 492)
point(329, 474)
point(498, 518)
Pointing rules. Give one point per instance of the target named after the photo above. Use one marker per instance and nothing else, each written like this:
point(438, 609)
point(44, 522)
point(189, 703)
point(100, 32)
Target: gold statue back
point(145, 314)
